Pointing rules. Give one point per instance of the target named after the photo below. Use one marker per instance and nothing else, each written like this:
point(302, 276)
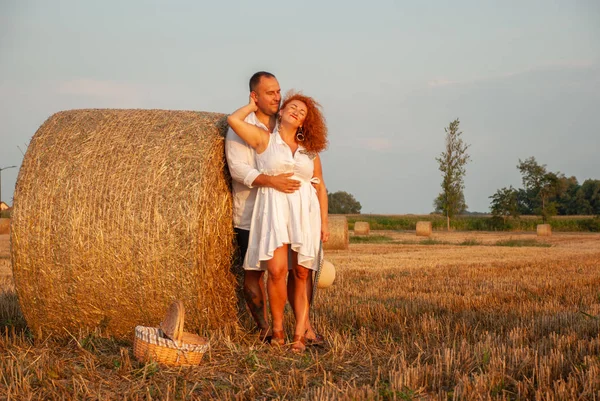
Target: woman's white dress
point(279, 218)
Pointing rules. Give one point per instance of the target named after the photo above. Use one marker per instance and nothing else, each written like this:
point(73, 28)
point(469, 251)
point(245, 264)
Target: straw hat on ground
point(327, 275)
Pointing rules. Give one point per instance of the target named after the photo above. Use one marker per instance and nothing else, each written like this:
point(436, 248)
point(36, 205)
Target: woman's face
point(294, 113)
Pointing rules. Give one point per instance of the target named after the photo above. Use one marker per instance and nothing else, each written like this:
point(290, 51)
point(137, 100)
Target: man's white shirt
point(242, 167)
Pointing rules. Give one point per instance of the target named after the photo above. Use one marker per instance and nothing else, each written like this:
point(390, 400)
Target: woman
point(284, 221)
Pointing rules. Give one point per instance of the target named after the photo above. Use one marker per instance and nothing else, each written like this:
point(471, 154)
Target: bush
point(522, 242)
point(592, 225)
point(371, 239)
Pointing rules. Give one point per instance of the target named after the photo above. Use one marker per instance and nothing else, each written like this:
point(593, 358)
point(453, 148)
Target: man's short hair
point(255, 79)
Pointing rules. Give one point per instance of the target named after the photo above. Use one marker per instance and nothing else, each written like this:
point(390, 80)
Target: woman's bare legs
point(276, 287)
point(300, 304)
point(310, 331)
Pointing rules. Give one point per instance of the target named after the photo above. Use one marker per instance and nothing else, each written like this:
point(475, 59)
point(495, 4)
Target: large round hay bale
point(544, 230)
point(361, 228)
point(338, 237)
point(424, 228)
point(4, 226)
point(119, 212)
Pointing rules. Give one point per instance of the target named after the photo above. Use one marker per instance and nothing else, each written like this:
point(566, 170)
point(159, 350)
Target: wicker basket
point(168, 344)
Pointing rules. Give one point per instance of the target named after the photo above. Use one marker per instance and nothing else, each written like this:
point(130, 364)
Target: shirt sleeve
point(240, 159)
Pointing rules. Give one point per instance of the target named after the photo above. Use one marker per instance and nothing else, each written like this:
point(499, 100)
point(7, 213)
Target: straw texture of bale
point(4, 226)
point(338, 233)
point(119, 212)
point(423, 228)
point(544, 230)
point(361, 228)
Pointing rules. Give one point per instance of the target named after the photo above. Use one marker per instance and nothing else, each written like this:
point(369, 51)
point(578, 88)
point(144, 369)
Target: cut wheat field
point(457, 316)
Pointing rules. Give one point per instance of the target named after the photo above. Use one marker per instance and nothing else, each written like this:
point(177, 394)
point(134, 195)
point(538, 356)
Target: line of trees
point(546, 193)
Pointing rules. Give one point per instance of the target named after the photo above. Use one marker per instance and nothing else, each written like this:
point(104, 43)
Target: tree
point(505, 203)
point(342, 202)
point(438, 204)
point(567, 201)
point(590, 190)
point(541, 186)
point(452, 161)
point(524, 200)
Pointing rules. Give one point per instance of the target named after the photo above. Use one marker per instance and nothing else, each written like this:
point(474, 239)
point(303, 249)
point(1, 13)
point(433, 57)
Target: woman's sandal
point(298, 344)
point(278, 337)
point(317, 341)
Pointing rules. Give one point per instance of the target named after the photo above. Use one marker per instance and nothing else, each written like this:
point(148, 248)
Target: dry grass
point(402, 322)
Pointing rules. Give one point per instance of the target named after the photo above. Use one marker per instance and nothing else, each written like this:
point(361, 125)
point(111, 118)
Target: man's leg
point(255, 295)
point(253, 286)
point(241, 240)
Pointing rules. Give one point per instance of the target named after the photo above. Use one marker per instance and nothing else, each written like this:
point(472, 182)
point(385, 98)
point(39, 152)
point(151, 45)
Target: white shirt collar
point(252, 119)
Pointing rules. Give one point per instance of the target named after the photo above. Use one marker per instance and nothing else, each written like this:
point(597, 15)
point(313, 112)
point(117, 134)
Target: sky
point(522, 76)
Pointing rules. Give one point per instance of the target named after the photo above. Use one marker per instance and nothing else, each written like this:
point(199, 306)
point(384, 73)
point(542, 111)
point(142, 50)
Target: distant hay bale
point(119, 212)
point(361, 228)
point(338, 237)
point(4, 226)
point(544, 230)
point(424, 228)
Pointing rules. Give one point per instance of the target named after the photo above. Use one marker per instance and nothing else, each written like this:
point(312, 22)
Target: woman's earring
point(300, 135)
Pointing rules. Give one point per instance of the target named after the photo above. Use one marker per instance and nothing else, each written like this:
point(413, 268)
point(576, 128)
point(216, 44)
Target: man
point(265, 90)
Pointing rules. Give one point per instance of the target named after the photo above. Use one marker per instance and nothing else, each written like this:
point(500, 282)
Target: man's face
point(267, 95)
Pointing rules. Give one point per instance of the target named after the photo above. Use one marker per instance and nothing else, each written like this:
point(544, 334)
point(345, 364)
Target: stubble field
point(459, 316)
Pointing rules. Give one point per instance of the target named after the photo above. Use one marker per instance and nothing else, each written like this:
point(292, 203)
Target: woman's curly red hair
point(314, 127)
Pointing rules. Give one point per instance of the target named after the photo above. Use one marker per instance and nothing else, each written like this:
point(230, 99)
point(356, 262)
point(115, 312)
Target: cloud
point(441, 82)
point(559, 65)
